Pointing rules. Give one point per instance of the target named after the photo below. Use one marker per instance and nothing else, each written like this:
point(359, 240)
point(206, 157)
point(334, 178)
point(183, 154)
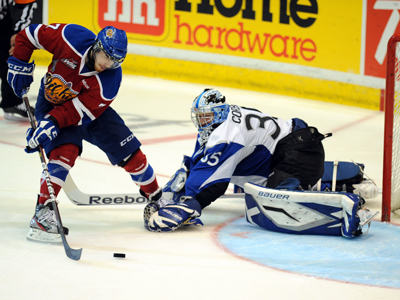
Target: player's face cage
point(113, 61)
point(206, 118)
point(202, 117)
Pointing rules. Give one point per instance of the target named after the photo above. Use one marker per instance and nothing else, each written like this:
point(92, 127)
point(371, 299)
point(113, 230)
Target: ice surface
point(187, 264)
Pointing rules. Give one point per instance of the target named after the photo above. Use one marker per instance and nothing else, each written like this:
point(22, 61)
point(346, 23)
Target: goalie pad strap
point(335, 166)
point(340, 176)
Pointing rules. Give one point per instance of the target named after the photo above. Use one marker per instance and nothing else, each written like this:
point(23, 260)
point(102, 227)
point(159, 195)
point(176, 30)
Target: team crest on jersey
point(69, 62)
point(57, 90)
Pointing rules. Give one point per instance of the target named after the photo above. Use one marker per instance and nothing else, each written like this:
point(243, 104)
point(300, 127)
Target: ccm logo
point(20, 68)
point(134, 16)
point(127, 140)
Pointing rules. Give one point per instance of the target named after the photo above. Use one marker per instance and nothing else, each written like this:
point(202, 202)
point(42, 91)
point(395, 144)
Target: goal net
point(391, 152)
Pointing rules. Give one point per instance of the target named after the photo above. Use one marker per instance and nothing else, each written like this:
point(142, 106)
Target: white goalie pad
point(302, 212)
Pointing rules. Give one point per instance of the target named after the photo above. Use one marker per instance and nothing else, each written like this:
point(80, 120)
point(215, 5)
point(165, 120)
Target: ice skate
point(366, 216)
point(17, 113)
point(44, 226)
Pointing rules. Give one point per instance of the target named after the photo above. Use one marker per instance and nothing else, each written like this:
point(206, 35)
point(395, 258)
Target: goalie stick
point(74, 254)
point(79, 198)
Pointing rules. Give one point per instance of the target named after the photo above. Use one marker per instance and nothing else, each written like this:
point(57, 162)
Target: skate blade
point(15, 117)
point(40, 236)
point(369, 219)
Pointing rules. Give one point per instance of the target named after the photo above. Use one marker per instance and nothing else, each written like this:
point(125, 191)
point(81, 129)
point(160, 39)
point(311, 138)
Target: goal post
point(391, 151)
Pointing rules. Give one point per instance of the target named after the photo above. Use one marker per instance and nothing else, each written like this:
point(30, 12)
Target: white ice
point(188, 263)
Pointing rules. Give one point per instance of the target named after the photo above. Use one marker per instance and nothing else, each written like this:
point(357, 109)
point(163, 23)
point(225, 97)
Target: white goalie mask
point(208, 111)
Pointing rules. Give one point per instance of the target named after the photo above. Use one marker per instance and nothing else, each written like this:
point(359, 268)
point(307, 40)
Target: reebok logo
point(117, 200)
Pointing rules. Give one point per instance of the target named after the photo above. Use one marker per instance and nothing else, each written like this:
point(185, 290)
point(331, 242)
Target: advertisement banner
point(322, 49)
point(310, 33)
point(383, 20)
point(142, 20)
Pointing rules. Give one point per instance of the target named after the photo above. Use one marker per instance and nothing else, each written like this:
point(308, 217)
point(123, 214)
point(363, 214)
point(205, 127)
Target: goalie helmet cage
point(391, 151)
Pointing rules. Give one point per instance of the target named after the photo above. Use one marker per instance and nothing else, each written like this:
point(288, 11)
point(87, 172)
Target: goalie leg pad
point(302, 212)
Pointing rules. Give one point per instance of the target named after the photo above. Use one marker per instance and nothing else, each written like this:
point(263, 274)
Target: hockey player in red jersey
point(73, 104)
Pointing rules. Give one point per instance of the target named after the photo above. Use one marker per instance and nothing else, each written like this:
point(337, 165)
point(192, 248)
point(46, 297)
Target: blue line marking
point(371, 259)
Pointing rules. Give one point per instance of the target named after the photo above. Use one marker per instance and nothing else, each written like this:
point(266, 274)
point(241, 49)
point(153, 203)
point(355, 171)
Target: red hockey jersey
point(77, 94)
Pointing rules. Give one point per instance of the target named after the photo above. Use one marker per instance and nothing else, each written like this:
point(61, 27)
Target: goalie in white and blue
point(235, 145)
point(240, 145)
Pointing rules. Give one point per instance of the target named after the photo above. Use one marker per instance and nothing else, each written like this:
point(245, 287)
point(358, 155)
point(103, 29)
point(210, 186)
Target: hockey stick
point(74, 254)
point(79, 198)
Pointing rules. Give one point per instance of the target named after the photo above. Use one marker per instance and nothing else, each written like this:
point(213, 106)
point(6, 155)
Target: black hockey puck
point(121, 255)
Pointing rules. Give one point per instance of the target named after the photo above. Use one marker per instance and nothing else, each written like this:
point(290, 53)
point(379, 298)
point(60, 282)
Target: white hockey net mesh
point(395, 193)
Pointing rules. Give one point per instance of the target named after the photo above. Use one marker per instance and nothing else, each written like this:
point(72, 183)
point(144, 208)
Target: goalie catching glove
point(173, 209)
point(165, 215)
point(45, 132)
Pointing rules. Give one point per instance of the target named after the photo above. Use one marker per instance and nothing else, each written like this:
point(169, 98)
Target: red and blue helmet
point(114, 43)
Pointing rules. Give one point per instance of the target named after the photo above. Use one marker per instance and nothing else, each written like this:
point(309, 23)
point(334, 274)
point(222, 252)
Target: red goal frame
point(388, 132)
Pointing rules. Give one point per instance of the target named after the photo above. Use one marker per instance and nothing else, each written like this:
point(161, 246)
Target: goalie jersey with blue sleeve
point(238, 151)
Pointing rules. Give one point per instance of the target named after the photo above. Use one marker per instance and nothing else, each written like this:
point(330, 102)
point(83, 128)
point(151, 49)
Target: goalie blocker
point(302, 212)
